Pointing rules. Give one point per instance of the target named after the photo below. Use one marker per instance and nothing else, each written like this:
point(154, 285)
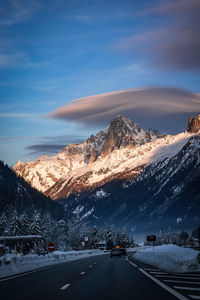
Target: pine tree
point(77, 231)
point(16, 226)
point(25, 224)
point(36, 226)
point(3, 225)
point(60, 235)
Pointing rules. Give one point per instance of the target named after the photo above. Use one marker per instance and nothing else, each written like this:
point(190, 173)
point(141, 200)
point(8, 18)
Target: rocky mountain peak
point(123, 132)
point(123, 125)
point(193, 124)
point(19, 164)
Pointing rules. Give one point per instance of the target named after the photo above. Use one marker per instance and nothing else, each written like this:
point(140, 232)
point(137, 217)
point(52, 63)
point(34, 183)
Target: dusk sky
point(143, 56)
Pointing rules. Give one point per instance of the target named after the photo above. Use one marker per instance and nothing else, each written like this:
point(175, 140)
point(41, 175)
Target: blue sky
point(52, 52)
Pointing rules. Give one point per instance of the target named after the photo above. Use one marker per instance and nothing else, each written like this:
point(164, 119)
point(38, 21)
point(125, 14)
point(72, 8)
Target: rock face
point(123, 132)
point(193, 124)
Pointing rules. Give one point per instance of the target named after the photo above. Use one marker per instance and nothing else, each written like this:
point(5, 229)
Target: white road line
point(188, 274)
point(82, 273)
point(186, 288)
point(181, 281)
point(177, 277)
point(90, 266)
point(151, 270)
point(130, 262)
point(65, 286)
point(30, 272)
point(164, 286)
point(194, 296)
point(154, 272)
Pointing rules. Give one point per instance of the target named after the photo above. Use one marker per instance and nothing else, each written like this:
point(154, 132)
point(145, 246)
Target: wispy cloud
point(10, 60)
point(17, 115)
point(176, 45)
point(17, 138)
point(52, 145)
point(17, 11)
point(144, 105)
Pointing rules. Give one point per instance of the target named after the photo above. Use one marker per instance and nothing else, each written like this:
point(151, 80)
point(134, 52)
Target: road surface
point(100, 278)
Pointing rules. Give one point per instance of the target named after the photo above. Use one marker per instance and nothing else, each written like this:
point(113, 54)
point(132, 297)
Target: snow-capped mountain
point(166, 194)
point(47, 171)
point(121, 152)
point(125, 175)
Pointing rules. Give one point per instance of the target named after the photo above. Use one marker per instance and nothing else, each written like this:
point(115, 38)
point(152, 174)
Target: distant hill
point(16, 192)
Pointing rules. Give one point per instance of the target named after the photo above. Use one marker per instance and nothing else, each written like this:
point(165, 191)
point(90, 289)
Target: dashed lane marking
point(158, 273)
point(65, 286)
point(186, 288)
point(82, 273)
point(90, 266)
point(181, 281)
point(177, 277)
point(194, 296)
point(151, 269)
point(164, 286)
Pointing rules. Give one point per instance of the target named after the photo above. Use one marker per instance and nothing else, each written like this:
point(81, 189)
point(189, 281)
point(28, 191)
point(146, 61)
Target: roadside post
point(4, 243)
point(51, 247)
point(86, 239)
point(151, 238)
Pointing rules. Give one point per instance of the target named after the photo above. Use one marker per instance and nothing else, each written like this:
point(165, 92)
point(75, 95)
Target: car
point(115, 252)
point(123, 251)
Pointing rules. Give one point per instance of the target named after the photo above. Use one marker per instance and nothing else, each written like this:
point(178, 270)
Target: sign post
point(51, 247)
point(151, 238)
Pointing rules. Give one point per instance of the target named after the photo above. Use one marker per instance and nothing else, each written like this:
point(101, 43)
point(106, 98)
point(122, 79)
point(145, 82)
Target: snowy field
point(29, 262)
point(170, 258)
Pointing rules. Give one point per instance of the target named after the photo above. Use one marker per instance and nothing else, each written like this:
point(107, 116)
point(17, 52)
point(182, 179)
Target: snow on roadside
point(30, 262)
point(170, 258)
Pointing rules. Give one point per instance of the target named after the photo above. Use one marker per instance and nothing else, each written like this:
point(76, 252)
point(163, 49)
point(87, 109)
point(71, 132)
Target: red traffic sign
point(51, 247)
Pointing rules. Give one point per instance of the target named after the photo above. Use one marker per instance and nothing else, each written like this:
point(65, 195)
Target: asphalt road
point(94, 278)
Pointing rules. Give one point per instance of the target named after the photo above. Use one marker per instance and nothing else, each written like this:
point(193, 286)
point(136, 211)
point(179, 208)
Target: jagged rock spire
point(193, 124)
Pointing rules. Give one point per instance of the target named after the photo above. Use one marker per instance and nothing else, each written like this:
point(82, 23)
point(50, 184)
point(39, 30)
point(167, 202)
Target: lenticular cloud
point(143, 105)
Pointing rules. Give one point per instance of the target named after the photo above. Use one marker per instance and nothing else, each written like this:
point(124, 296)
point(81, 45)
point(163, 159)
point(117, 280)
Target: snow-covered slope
point(170, 258)
point(122, 163)
point(122, 151)
point(163, 194)
point(46, 171)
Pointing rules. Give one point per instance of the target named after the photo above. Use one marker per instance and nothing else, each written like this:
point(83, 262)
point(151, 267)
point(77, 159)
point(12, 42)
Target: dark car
point(123, 251)
point(115, 252)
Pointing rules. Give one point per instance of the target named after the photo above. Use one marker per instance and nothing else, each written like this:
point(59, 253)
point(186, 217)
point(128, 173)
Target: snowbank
point(19, 264)
point(170, 258)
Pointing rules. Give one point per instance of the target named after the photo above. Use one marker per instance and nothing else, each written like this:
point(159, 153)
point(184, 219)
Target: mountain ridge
point(45, 171)
point(121, 151)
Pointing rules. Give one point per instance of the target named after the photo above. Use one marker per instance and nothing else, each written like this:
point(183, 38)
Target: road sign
point(151, 238)
point(86, 239)
point(51, 247)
